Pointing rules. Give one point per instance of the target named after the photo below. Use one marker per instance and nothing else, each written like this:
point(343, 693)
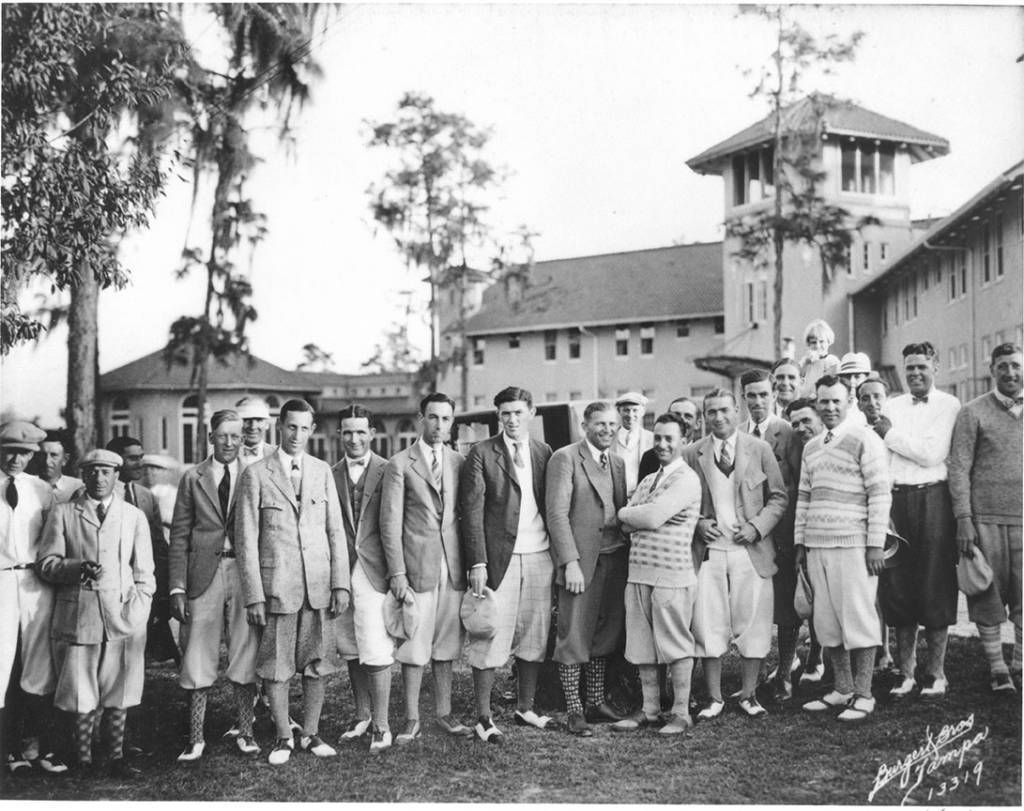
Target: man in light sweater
point(985, 463)
point(662, 582)
point(917, 429)
point(842, 513)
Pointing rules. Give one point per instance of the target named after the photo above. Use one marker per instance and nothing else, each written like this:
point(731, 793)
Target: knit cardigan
point(844, 496)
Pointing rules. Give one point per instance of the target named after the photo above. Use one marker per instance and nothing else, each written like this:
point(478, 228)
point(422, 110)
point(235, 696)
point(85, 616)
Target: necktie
point(517, 455)
point(757, 431)
point(296, 478)
point(917, 400)
point(12, 493)
point(101, 511)
point(828, 437)
point(604, 460)
point(657, 479)
point(725, 461)
point(129, 494)
point(435, 469)
point(224, 491)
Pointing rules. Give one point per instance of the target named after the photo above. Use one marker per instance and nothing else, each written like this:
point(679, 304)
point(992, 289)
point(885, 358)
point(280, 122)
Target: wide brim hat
point(479, 614)
point(21, 435)
point(855, 363)
point(973, 573)
point(892, 552)
point(252, 409)
point(401, 618)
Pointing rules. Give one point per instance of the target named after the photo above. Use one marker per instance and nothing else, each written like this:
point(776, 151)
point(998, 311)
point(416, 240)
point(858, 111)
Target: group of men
point(667, 545)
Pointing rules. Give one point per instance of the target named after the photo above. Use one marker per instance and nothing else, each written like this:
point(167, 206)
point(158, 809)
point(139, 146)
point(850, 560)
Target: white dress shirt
point(595, 454)
point(355, 471)
point(21, 529)
point(247, 455)
point(919, 439)
point(730, 442)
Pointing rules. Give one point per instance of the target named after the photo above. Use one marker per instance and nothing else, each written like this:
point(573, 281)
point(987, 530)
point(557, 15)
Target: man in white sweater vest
point(842, 513)
point(661, 584)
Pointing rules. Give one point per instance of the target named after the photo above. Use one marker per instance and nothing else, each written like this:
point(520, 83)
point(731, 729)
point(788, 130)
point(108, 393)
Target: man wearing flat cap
point(26, 603)
point(632, 439)
point(96, 550)
point(255, 422)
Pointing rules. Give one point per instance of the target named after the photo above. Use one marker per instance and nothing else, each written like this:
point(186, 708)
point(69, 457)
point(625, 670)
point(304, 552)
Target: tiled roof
point(152, 372)
point(654, 284)
point(841, 118)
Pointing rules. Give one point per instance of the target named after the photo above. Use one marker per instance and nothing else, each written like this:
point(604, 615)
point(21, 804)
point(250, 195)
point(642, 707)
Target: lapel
point(281, 479)
point(371, 476)
point(110, 535)
point(536, 460)
point(742, 458)
point(593, 470)
point(343, 494)
point(449, 483)
point(706, 454)
point(311, 480)
point(208, 485)
point(87, 512)
point(421, 465)
point(503, 460)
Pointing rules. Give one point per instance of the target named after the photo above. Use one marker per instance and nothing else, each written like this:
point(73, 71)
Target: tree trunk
point(201, 429)
point(82, 409)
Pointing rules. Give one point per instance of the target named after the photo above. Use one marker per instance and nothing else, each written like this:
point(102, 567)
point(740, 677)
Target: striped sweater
point(662, 523)
point(844, 495)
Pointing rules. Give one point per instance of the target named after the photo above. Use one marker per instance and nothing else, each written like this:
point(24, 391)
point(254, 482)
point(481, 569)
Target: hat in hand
point(803, 597)
point(479, 614)
point(973, 574)
point(400, 618)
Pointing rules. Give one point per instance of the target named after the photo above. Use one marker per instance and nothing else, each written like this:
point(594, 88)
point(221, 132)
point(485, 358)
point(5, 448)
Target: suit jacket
point(289, 550)
point(489, 499)
point(198, 529)
point(760, 494)
point(577, 506)
point(67, 487)
point(786, 447)
point(146, 501)
point(115, 606)
point(364, 543)
point(418, 522)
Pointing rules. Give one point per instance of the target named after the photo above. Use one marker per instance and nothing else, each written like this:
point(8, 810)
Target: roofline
point(1008, 177)
point(241, 386)
point(608, 322)
point(621, 253)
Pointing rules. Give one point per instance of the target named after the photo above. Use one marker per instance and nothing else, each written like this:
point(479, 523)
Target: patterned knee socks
point(113, 731)
point(85, 722)
point(245, 699)
point(595, 681)
point(569, 675)
point(992, 644)
point(196, 715)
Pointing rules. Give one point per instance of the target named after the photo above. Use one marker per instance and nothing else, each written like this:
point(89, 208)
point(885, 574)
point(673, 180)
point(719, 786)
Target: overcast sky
point(595, 110)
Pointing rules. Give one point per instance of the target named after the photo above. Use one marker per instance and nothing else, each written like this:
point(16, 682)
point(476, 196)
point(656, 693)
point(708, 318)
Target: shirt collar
point(839, 430)
point(105, 502)
point(256, 450)
point(731, 442)
point(1009, 402)
point(363, 460)
point(510, 443)
point(595, 454)
point(671, 467)
point(429, 449)
point(286, 460)
point(763, 425)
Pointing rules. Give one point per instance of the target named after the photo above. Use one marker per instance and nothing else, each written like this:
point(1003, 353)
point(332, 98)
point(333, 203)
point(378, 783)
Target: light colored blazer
point(489, 499)
point(146, 501)
point(576, 507)
point(289, 551)
point(364, 543)
point(198, 529)
point(760, 494)
point(418, 521)
point(117, 605)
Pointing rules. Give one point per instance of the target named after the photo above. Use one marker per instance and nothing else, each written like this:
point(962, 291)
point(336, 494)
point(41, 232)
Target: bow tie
point(917, 400)
point(250, 451)
point(357, 462)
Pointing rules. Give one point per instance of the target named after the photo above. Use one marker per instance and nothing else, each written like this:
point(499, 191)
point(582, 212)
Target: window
point(513, 340)
point(381, 442)
point(926, 275)
point(998, 228)
point(550, 344)
point(479, 345)
point(885, 317)
point(748, 301)
point(622, 342)
point(762, 301)
point(575, 395)
point(913, 295)
point(407, 434)
point(896, 305)
point(868, 167)
point(683, 329)
point(551, 397)
point(986, 258)
point(906, 299)
point(574, 343)
point(952, 282)
point(189, 423)
point(752, 176)
point(883, 251)
point(274, 405)
point(120, 417)
point(963, 355)
point(962, 257)
point(719, 325)
point(952, 358)
point(163, 434)
point(938, 271)
point(865, 259)
point(696, 392)
point(646, 339)
point(986, 348)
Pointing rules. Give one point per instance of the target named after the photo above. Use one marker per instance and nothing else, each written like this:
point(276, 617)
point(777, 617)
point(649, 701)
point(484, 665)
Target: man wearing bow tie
point(206, 591)
point(255, 423)
point(917, 429)
point(985, 482)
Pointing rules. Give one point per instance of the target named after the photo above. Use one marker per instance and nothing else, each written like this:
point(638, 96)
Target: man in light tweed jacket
point(842, 513)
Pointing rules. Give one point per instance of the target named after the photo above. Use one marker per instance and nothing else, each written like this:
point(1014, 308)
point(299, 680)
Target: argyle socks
point(112, 731)
point(196, 715)
point(595, 681)
point(569, 675)
point(245, 698)
point(992, 645)
point(85, 723)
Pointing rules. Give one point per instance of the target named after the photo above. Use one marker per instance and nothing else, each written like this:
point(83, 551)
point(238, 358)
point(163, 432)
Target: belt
point(229, 553)
point(907, 488)
point(17, 566)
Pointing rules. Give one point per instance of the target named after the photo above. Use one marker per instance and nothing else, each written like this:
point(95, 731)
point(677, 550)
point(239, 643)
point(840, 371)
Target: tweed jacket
point(759, 489)
point(115, 606)
point(577, 506)
point(289, 549)
point(198, 529)
point(364, 543)
point(489, 499)
point(418, 522)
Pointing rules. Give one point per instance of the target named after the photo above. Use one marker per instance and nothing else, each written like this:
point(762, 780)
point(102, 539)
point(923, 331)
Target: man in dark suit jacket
point(689, 411)
point(743, 497)
point(586, 486)
point(206, 590)
point(160, 644)
point(295, 574)
point(505, 545)
point(362, 639)
point(759, 396)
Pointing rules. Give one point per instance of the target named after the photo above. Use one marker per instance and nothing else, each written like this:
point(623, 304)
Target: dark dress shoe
point(577, 725)
point(120, 770)
point(602, 712)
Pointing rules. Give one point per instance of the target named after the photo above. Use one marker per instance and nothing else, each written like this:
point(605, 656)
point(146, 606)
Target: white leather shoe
point(903, 688)
point(357, 729)
point(712, 710)
point(380, 739)
point(829, 701)
point(281, 752)
point(937, 689)
point(194, 752)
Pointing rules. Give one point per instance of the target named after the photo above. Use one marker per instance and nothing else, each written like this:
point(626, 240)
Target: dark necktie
point(829, 437)
point(224, 491)
point(757, 431)
point(917, 400)
point(296, 478)
point(604, 460)
point(517, 456)
point(657, 479)
point(129, 494)
point(101, 511)
point(724, 461)
point(12, 493)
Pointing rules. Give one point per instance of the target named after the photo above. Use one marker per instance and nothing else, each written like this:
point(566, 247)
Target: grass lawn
point(787, 758)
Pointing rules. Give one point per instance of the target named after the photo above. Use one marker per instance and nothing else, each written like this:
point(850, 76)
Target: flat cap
point(855, 363)
point(252, 408)
point(479, 614)
point(101, 457)
point(631, 398)
point(20, 434)
point(401, 619)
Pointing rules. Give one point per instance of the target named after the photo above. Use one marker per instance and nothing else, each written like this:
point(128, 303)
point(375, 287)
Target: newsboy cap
point(855, 363)
point(100, 456)
point(631, 398)
point(973, 573)
point(21, 435)
point(400, 618)
point(252, 408)
point(479, 614)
